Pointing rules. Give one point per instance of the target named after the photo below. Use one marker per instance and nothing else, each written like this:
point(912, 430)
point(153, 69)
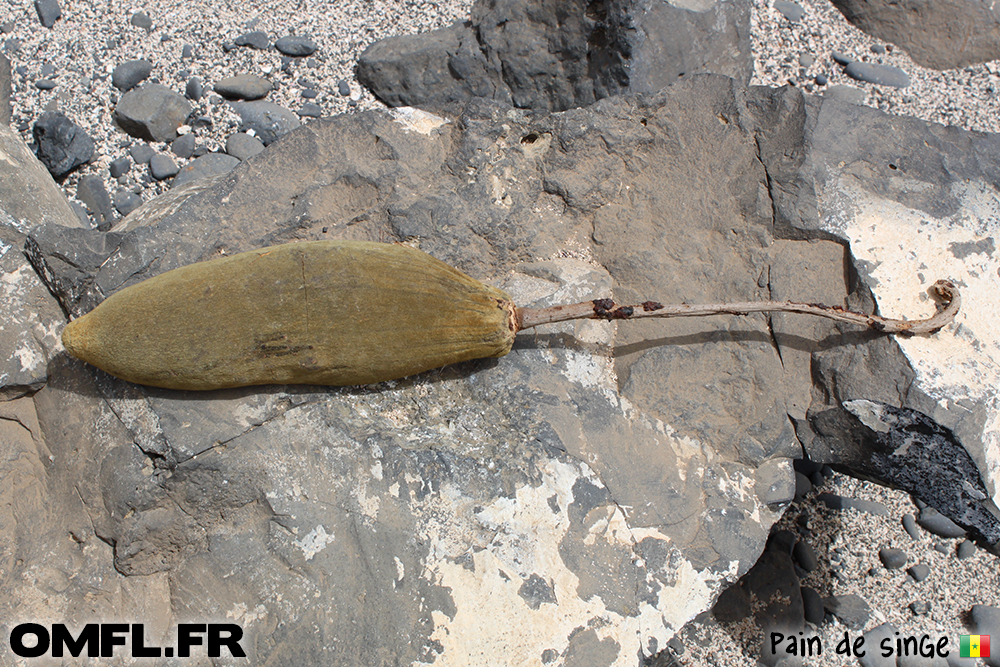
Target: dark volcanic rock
point(892, 559)
point(90, 190)
point(548, 54)
point(206, 165)
point(62, 144)
point(243, 87)
point(296, 45)
point(130, 74)
point(882, 75)
point(48, 12)
point(162, 167)
point(256, 39)
point(941, 34)
point(152, 112)
point(268, 120)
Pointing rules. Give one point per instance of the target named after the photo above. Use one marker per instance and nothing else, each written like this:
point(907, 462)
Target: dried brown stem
point(944, 291)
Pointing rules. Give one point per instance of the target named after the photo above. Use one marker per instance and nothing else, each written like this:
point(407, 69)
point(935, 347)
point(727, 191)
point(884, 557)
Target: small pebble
point(142, 20)
point(881, 75)
point(119, 167)
point(48, 12)
point(790, 10)
point(45, 84)
point(183, 146)
point(942, 549)
point(812, 606)
point(821, 80)
point(938, 524)
point(920, 608)
point(256, 40)
point(807, 59)
point(344, 88)
point(243, 87)
point(310, 94)
point(910, 526)
point(296, 45)
point(187, 52)
point(130, 74)
point(243, 146)
point(892, 559)
point(840, 58)
point(919, 571)
point(311, 110)
point(878, 49)
point(127, 201)
point(194, 89)
point(805, 556)
point(967, 549)
point(162, 167)
point(141, 153)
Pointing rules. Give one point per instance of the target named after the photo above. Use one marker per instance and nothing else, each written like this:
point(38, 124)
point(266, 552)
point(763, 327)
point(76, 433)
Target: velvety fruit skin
point(321, 312)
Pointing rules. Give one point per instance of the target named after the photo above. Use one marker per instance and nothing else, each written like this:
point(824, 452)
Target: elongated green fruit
point(322, 312)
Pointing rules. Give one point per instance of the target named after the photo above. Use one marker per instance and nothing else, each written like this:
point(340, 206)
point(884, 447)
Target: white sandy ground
point(95, 35)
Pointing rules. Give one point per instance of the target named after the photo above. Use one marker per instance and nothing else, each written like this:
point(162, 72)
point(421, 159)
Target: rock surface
point(152, 112)
point(937, 34)
point(29, 196)
point(552, 54)
point(613, 478)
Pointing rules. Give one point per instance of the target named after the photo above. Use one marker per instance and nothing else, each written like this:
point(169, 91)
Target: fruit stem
point(944, 291)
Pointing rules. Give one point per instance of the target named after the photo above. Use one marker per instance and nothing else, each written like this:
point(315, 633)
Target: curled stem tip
point(945, 291)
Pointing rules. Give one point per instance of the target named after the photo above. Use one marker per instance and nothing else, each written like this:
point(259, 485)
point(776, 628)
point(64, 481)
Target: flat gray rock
point(207, 165)
point(243, 87)
point(268, 120)
point(882, 75)
point(130, 74)
point(152, 112)
point(242, 146)
point(296, 45)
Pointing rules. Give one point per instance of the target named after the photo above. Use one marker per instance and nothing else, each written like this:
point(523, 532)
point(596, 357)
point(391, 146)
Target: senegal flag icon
point(974, 646)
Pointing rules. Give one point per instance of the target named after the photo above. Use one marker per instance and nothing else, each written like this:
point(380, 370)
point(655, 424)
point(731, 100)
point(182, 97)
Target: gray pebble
point(296, 45)
point(310, 94)
point(344, 88)
point(90, 190)
point(183, 146)
point(919, 572)
point(802, 486)
point(243, 87)
point(842, 503)
point(48, 12)
point(893, 559)
point(805, 556)
point(938, 524)
point(45, 84)
point(242, 146)
point(852, 610)
point(256, 40)
point(874, 637)
point(194, 89)
point(141, 153)
point(807, 59)
point(821, 80)
point(62, 144)
point(812, 606)
point(142, 20)
point(268, 120)
point(152, 112)
point(882, 75)
point(878, 49)
point(790, 10)
point(207, 165)
point(967, 549)
point(162, 167)
point(910, 526)
point(130, 74)
point(920, 608)
point(119, 167)
point(127, 201)
point(942, 548)
point(840, 58)
point(187, 52)
point(310, 110)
